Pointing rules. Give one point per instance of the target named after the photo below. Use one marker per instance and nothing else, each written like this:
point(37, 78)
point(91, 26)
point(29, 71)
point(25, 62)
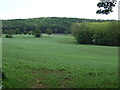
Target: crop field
point(57, 61)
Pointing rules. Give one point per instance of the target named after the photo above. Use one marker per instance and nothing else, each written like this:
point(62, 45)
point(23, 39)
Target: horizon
point(54, 17)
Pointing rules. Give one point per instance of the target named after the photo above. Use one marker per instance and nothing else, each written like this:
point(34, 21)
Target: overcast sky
point(16, 9)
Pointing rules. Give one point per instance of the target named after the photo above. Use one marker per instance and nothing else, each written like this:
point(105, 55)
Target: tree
point(107, 35)
point(82, 33)
point(49, 31)
point(20, 32)
point(107, 7)
point(9, 34)
point(57, 24)
point(37, 32)
point(17, 31)
point(25, 32)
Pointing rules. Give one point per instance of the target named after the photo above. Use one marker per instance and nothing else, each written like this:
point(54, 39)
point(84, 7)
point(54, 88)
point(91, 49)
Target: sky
point(21, 9)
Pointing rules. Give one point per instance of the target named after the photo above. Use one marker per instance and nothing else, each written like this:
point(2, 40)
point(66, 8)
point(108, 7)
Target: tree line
point(57, 24)
point(106, 33)
point(86, 31)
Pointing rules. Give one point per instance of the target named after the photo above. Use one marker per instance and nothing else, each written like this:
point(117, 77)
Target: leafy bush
point(37, 32)
point(49, 31)
point(9, 34)
point(118, 33)
point(112, 33)
point(25, 32)
point(84, 37)
point(82, 33)
point(20, 32)
point(107, 36)
point(99, 38)
point(97, 33)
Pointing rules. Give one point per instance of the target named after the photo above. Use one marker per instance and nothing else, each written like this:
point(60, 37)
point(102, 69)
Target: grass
point(57, 62)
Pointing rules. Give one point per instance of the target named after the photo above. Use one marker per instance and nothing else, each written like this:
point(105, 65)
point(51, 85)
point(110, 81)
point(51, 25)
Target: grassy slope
point(57, 61)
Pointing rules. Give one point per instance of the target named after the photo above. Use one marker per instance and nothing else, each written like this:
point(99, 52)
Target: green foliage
point(84, 37)
point(108, 35)
point(49, 31)
point(118, 33)
point(82, 33)
point(25, 32)
point(30, 32)
point(113, 33)
point(9, 34)
point(37, 32)
point(4, 31)
point(99, 38)
point(97, 33)
point(57, 24)
point(66, 32)
point(20, 32)
point(17, 31)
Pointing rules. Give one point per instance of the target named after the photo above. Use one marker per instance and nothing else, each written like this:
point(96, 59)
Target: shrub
point(20, 32)
point(9, 34)
point(118, 33)
point(82, 33)
point(84, 37)
point(17, 31)
point(37, 32)
point(49, 31)
point(99, 38)
point(106, 33)
point(25, 32)
point(107, 36)
point(112, 33)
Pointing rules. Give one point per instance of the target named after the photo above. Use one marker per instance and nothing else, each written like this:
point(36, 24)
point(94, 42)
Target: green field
point(57, 62)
